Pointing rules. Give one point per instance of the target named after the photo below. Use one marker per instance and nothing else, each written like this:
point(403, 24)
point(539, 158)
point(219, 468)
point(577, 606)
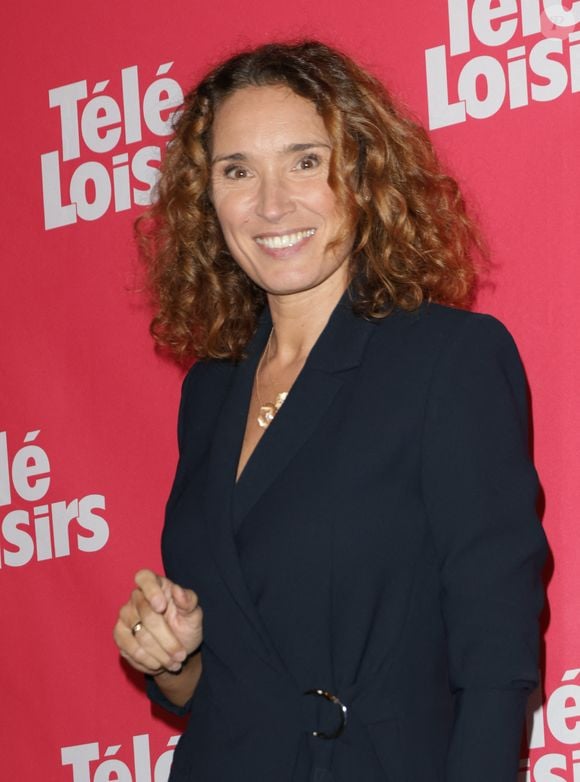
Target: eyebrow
point(289, 149)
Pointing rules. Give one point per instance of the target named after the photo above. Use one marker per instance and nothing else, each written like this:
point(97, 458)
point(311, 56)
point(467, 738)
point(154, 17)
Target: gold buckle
point(343, 714)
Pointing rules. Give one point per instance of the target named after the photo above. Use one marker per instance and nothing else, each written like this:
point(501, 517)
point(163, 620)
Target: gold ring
point(136, 627)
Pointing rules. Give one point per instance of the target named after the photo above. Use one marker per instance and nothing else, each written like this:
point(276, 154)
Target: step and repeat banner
point(87, 409)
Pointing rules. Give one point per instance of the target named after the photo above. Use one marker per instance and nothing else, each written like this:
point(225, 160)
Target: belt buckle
point(336, 702)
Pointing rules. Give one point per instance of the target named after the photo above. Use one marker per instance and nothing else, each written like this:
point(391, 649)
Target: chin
point(288, 287)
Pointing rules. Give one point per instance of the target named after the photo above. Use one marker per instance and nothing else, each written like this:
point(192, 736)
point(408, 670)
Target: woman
point(353, 508)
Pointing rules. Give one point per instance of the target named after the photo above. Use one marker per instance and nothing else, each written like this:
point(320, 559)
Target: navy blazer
point(381, 544)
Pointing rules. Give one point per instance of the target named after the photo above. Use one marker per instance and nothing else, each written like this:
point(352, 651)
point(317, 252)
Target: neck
point(299, 319)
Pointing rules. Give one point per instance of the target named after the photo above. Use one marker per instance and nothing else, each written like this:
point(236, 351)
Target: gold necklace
point(268, 410)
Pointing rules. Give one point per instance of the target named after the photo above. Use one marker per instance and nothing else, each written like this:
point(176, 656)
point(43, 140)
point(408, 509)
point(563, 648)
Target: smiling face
point(270, 165)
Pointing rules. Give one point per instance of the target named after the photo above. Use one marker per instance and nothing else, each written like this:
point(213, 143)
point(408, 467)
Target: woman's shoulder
point(204, 368)
point(205, 376)
point(436, 340)
point(436, 324)
point(431, 314)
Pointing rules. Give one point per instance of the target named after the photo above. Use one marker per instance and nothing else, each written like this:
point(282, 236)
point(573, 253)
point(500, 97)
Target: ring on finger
point(136, 628)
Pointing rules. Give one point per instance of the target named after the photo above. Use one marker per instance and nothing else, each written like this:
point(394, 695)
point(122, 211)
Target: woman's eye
point(308, 162)
point(235, 172)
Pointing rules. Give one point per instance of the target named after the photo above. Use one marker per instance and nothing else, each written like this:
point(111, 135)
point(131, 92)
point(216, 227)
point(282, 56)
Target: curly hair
point(414, 240)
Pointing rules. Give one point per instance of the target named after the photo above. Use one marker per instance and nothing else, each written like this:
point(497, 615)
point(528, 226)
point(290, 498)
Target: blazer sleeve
point(480, 492)
point(151, 688)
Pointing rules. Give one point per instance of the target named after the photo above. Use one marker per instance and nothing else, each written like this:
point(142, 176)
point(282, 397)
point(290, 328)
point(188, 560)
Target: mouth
point(283, 241)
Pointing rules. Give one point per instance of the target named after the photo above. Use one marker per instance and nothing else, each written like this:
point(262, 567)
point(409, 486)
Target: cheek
point(232, 212)
point(323, 201)
point(227, 217)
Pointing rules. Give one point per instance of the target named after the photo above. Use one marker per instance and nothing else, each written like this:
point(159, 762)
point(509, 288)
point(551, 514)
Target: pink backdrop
point(87, 444)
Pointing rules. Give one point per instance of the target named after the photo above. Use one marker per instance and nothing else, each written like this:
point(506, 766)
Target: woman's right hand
point(160, 625)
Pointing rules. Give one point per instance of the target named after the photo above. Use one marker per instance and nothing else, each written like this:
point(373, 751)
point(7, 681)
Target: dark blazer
point(381, 544)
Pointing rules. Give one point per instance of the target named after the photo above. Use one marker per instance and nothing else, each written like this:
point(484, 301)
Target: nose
point(274, 198)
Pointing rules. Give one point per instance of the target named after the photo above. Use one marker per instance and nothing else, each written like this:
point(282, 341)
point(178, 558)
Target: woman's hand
point(160, 626)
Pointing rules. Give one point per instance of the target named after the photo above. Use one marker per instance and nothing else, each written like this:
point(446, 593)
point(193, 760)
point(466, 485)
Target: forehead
point(268, 118)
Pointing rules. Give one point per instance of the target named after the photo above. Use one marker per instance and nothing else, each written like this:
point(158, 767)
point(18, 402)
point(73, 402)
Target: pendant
point(268, 411)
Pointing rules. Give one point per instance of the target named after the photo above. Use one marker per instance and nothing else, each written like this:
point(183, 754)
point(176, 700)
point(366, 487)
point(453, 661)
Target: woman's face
point(270, 164)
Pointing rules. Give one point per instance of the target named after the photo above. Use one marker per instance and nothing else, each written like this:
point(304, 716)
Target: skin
point(172, 629)
point(270, 162)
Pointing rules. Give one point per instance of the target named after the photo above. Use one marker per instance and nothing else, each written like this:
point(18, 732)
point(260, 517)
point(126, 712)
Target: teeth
point(285, 240)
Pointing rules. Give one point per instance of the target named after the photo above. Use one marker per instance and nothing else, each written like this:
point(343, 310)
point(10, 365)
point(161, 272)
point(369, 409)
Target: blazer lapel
point(339, 348)
point(223, 461)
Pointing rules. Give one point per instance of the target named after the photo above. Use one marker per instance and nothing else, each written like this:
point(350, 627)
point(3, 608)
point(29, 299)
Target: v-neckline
point(337, 348)
point(255, 351)
point(264, 435)
point(230, 498)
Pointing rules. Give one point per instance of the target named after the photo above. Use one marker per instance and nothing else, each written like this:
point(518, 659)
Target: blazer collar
point(342, 342)
point(339, 348)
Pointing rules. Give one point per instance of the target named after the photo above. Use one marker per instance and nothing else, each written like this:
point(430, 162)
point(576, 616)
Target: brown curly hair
point(413, 238)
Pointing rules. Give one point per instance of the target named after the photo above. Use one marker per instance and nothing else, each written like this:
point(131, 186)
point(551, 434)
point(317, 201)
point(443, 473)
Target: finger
point(143, 662)
point(154, 587)
point(139, 645)
point(188, 628)
point(186, 601)
point(146, 649)
point(128, 648)
point(138, 625)
point(137, 666)
point(159, 637)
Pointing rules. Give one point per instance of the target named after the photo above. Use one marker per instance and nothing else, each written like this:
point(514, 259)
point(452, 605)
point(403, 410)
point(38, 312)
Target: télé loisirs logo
point(103, 163)
point(531, 54)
